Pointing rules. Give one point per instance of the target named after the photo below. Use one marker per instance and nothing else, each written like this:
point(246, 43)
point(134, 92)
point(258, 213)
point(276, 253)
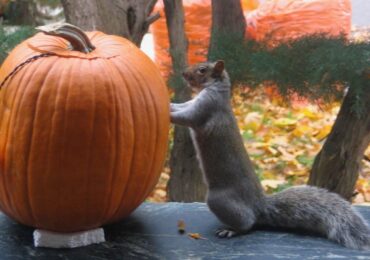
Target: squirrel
point(234, 193)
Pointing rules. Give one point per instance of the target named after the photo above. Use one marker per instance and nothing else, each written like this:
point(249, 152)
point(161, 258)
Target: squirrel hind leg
point(236, 215)
point(237, 224)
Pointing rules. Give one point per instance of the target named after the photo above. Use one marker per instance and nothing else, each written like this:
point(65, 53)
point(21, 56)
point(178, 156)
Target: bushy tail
point(317, 210)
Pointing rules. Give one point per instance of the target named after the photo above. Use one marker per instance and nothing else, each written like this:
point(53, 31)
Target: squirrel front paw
point(226, 233)
point(173, 107)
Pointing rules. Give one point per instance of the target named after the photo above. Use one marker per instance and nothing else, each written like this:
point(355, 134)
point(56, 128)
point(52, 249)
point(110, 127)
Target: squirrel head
point(201, 75)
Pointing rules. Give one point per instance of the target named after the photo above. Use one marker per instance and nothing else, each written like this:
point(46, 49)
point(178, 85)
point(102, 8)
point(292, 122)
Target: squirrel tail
point(317, 210)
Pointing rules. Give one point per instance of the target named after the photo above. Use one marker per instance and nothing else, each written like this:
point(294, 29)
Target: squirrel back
point(235, 194)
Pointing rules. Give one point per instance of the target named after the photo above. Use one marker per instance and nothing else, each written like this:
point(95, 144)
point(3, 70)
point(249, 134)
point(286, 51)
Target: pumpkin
point(84, 122)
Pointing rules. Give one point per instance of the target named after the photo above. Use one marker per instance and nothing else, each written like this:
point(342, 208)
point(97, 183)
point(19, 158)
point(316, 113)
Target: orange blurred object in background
point(281, 20)
point(249, 5)
point(273, 20)
point(198, 21)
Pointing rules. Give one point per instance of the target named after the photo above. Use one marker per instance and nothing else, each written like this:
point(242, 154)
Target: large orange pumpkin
point(83, 136)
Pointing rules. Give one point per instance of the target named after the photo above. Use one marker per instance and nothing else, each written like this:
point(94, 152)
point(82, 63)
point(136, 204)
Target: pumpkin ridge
point(29, 150)
point(113, 99)
point(53, 124)
point(87, 181)
point(68, 83)
point(155, 167)
point(13, 122)
point(149, 102)
point(118, 138)
point(95, 89)
point(62, 97)
point(5, 180)
point(156, 143)
point(5, 205)
point(81, 68)
point(117, 211)
point(27, 210)
point(159, 141)
point(162, 139)
point(144, 100)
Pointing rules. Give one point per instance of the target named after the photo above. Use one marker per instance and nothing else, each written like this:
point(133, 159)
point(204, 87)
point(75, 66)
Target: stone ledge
point(151, 233)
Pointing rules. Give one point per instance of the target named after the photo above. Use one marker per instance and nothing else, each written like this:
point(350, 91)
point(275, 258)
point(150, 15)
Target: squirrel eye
point(202, 70)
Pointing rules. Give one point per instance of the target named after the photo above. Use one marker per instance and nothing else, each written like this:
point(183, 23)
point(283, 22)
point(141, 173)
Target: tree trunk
point(185, 183)
point(337, 165)
point(228, 25)
point(3, 6)
point(21, 12)
point(127, 18)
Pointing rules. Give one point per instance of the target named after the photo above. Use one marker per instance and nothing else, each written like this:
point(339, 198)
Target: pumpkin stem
point(74, 35)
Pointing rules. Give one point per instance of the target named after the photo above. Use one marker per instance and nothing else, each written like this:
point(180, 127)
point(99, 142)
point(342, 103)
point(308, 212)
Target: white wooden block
point(44, 238)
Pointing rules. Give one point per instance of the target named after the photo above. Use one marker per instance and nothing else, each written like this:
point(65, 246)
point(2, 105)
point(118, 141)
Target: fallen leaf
point(253, 121)
point(323, 132)
point(195, 236)
point(285, 122)
point(181, 226)
point(272, 183)
point(308, 112)
point(301, 130)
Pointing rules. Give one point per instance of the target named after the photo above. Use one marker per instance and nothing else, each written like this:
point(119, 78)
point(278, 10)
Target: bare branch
point(150, 6)
point(151, 19)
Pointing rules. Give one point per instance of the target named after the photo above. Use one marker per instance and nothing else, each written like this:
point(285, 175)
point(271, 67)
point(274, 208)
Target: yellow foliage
point(323, 132)
point(253, 121)
point(285, 122)
point(301, 130)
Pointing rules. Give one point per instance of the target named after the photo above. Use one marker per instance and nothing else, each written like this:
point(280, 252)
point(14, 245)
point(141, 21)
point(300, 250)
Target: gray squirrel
point(234, 192)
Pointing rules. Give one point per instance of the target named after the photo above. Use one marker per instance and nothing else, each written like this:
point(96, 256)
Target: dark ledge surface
point(151, 233)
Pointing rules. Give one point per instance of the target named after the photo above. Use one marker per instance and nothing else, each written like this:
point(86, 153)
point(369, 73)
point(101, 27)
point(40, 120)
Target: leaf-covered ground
point(282, 141)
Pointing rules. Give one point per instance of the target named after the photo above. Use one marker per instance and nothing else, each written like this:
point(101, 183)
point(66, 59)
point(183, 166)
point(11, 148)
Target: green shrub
point(315, 67)
point(10, 37)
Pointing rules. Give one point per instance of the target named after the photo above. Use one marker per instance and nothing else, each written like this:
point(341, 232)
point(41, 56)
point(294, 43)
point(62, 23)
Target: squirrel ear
point(219, 67)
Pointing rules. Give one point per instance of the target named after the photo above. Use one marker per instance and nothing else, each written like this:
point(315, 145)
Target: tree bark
point(185, 182)
point(337, 165)
point(127, 18)
point(228, 24)
point(21, 12)
point(3, 6)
